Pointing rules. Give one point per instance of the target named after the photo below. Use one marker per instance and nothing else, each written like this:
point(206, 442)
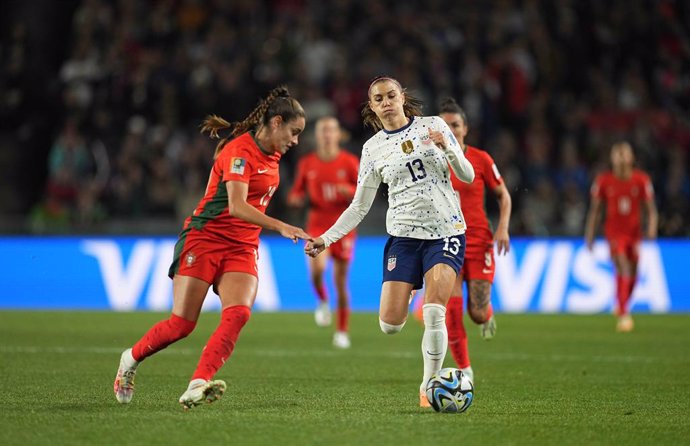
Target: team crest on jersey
point(190, 259)
point(391, 263)
point(407, 146)
point(237, 165)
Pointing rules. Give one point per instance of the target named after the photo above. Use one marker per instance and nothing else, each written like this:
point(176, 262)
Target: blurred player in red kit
point(328, 178)
point(219, 242)
point(478, 269)
point(624, 190)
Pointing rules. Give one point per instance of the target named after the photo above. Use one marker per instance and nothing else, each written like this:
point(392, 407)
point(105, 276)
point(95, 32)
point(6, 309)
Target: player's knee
point(479, 315)
point(390, 328)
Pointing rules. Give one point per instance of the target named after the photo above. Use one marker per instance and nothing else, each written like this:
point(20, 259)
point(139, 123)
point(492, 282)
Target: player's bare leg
point(625, 281)
point(237, 291)
point(317, 267)
point(479, 307)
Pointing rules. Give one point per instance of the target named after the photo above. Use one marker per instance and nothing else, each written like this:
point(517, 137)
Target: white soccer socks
point(434, 341)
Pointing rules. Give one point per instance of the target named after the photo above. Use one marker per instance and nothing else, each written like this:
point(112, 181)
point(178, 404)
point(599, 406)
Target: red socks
point(222, 342)
point(161, 335)
point(457, 336)
point(343, 315)
point(489, 312)
point(321, 293)
point(624, 288)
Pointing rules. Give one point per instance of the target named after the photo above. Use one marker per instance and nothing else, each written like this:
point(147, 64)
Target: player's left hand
point(502, 240)
point(437, 138)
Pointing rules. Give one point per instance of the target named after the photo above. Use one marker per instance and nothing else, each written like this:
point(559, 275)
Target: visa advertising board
point(130, 273)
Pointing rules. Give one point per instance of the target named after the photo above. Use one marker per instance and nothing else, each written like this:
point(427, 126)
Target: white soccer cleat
point(322, 314)
point(201, 391)
point(341, 340)
point(488, 329)
point(124, 380)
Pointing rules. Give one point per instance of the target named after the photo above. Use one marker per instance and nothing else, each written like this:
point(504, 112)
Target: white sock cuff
point(433, 314)
point(390, 328)
point(432, 306)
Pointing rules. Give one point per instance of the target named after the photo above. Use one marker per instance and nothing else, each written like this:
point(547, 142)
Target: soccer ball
point(450, 390)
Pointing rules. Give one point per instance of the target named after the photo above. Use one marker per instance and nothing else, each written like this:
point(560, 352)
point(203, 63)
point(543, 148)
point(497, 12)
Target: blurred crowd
point(547, 86)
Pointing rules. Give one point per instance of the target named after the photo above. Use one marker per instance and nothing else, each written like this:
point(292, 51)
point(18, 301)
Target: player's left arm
point(505, 205)
point(650, 208)
point(652, 218)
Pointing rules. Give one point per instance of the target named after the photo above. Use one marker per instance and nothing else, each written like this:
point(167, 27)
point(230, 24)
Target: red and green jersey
point(241, 159)
point(623, 198)
point(320, 180)
point(472, 200)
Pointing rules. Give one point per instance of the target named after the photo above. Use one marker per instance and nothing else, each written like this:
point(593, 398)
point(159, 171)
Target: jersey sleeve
point(238, 164)
point(300, 180)
point(368, 176)
point(492, 176)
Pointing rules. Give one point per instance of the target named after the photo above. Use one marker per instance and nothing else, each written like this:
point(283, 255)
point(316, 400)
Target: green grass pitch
point(544, 379)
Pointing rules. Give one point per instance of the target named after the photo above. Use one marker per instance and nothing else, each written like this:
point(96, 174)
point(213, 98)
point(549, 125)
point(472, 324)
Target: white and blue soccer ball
point(450, 391)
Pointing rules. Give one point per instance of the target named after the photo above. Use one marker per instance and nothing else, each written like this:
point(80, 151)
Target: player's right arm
point(595, 208)
point(239, 208)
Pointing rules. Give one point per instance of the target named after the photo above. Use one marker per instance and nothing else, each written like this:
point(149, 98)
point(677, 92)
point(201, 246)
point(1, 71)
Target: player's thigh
point(395, 301)
point(439, 282)
point(237, 288)
point(188, 296)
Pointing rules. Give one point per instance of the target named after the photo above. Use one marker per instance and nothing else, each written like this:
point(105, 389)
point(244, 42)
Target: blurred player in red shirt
point(624, 191)
point(219, 241)
point(478, 269)
point(328, 177)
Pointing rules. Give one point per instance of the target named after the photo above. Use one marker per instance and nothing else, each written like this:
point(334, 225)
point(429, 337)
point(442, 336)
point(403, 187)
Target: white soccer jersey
point(421, 201)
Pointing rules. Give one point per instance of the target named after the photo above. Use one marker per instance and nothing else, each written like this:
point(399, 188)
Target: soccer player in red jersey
point(219, 241)
point(478, 269)
point(328, 177)
point(624, 191)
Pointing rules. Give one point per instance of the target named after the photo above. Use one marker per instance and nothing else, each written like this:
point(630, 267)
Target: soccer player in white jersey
point(413, 155)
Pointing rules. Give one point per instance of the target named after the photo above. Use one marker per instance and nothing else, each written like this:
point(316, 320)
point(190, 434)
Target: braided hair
point(278, 102)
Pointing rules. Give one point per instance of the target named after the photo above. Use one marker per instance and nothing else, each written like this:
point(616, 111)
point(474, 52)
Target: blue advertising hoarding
point(130, 273)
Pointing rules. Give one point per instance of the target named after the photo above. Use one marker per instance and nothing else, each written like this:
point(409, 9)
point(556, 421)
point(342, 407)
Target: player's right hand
point(294, 233)
point(314, 247)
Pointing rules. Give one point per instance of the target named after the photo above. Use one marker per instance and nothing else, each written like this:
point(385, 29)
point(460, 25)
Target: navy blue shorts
point(408, 259)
